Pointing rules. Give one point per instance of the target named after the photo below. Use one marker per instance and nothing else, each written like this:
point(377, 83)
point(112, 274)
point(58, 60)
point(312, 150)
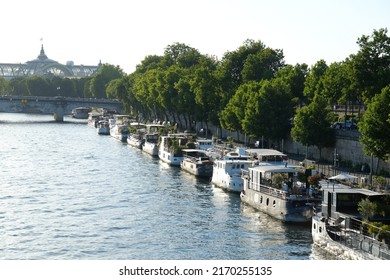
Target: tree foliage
point(375, 126)
point(312, 124)
point(372, 63)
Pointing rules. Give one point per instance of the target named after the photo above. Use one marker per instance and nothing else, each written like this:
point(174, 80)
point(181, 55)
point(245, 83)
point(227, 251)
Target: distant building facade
point(46, 67)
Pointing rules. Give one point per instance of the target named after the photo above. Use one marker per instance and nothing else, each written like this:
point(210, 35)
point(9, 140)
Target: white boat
point(150, 144)
point(204, 144)
point(93, 118)
point(170, 148)
point(151, 137)
point(274, 189)
point(227, 171)
point(81, 112)
point(136, 135)
point(196, 162)
point(119, 127)
point(103, 127)
point(339, 230)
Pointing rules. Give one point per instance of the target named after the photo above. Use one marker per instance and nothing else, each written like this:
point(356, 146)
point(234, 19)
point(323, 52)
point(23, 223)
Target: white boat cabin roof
point(273, 169)
point(201, 140)
point(259, 153)
point(336, 187)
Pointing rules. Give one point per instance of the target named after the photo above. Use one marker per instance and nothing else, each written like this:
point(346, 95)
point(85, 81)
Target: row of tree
point(251, 90)
point(88, 87)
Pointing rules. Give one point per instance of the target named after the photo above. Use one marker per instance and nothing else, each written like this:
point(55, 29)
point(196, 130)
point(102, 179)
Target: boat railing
point(354, 234)
point(269, 190)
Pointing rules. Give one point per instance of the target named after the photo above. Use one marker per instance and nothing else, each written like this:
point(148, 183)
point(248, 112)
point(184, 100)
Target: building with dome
point(46, 67)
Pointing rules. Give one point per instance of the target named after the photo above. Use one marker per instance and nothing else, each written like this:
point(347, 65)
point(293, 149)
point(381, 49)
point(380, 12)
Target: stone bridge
point(58, 106)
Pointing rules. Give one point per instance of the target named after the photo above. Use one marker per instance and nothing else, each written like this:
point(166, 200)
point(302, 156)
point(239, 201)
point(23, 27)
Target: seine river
point(68, 193)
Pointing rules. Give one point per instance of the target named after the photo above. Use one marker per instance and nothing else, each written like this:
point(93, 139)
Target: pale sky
point(123, 32)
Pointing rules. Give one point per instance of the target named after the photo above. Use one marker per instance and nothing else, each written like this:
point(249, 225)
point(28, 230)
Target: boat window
point(274, 203)
point(314, 226)
point(261, 199)
point(267, 201)
point(320, 229)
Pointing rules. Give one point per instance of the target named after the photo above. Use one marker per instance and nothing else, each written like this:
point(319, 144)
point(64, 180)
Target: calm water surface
point(68, 193)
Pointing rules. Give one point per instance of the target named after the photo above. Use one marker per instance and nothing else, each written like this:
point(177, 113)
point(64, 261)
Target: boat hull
point(170, 158)
point(228, 182)
point(197, 169)
point(286, 210)
point(150, 148)
point(346, 247)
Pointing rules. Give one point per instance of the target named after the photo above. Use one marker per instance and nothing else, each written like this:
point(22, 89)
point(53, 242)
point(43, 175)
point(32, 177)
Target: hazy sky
point(123, 32)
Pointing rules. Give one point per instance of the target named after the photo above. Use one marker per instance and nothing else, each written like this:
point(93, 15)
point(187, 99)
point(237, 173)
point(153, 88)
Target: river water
point(68, 193)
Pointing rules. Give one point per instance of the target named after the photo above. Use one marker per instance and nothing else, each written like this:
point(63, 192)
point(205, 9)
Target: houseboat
point(171, 148)
point(103, 127)
point(119, 127)
point(151, 137)
point(150, 144)
point(342, 231)
point(93, 118)
point(274, 189)
point(136, 135)
point(227, 171)
point(204, 144)
point(81, 112)
point(196, 162)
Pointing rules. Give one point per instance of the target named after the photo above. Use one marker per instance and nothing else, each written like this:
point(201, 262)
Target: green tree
point(269, 110)
point(230, 68)
point(4, 86)
point(233, 114)
point(18, 86)
point(312, 124)
point(205, 86)
point(367, 208)
point(295, 76)
point(39, 86)
point(313, 83)
point(100, 80)
point(375, 126)
point(372, 63)
point(262, 65)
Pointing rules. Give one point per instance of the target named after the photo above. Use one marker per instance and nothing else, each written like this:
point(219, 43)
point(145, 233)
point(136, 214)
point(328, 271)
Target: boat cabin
point(268, 155)
point(340, 201)
point(274, 176)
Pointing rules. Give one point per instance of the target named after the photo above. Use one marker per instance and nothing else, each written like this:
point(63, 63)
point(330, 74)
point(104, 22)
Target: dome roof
point(42, 58)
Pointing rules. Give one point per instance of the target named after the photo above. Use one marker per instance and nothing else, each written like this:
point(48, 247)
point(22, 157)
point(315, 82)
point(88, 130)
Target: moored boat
point(103, 127)
point(150, 144)
point(204, 144)
point(274, 189)
point(81, 112)
point(342, 231)
point(136, 135)
point(170, 148)
point(119, 127)
point(196, 162)
point(93, 118)
point(227, 171)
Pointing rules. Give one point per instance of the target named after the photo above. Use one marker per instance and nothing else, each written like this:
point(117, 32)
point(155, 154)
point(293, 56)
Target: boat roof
point(155, 124)
point(137, 123)
point(265, 152)
point(193, 150)
point(335, 187)
point(204, 140)
point(122, 116)
point(274, 168)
